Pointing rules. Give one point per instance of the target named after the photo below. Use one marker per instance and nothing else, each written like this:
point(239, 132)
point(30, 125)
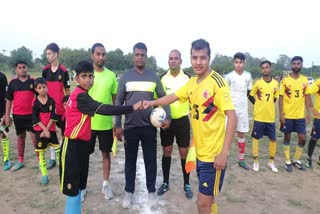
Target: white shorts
point(243, 121)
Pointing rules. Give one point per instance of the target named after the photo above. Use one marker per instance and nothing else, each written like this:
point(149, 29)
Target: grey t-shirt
point(134, 87)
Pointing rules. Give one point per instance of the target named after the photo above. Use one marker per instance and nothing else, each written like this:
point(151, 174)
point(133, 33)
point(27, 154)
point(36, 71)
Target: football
point(157, 117)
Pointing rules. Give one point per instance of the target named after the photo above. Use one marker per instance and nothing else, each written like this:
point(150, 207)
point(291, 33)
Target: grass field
point(243, 191)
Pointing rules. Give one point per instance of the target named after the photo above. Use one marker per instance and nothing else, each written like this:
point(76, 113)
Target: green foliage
point(119, 62)
point(152, 64)
point(222, 64)
point(23, 54)
point(69, 58)
point(283, 62)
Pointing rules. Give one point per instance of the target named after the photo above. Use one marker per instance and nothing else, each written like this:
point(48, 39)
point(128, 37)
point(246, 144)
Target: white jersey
point(239, 85)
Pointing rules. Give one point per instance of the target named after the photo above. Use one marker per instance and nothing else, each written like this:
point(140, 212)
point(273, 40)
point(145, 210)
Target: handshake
point(144, 104)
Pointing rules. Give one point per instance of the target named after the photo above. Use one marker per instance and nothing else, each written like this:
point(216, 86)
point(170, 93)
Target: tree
point(152, 64)
point(283, 62)
point(115, 60)
point(23, 54)
point(222, 64)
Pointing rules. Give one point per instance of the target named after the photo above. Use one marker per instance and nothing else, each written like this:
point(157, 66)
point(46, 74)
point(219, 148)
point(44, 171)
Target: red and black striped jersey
point(80, 107)
point(22, 95)
point(43, 113)
point(57, 82)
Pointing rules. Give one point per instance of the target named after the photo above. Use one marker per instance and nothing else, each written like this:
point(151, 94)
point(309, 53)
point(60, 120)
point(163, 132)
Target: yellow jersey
point(171, 84)
point(293, 92)
point(315, 89)
point(207, 101)
point(265, 93)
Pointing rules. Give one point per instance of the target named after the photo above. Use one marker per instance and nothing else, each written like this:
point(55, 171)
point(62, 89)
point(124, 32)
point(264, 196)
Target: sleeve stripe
point(219, 80)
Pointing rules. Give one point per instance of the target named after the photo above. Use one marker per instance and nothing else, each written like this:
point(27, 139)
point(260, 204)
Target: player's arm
point(281, 93)
point(314, 88)
point(308, 103)
point(221, 159)
point(250, 97)
point(161, 93)
point(8, 110)
point(249, 88)
point(181, 94)
point(114, 89)
point(35, 117)
point(166, 100)
point(66, 83)
point(89, 106)
point(281, 115)
point(53, 116)
point(9, 99)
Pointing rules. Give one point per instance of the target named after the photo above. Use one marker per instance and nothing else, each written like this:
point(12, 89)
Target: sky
point(264, 28)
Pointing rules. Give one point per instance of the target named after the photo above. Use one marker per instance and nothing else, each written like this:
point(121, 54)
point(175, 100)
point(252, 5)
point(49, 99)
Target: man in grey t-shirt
point(134, 85)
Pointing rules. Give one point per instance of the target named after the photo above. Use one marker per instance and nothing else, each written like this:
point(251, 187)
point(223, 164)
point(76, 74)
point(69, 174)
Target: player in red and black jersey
point(4, 138)
point(20, 96)
point(75, 148)
point(44, 119)
point(57, 78)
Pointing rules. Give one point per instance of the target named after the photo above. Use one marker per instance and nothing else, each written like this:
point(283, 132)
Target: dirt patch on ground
point(243, 191)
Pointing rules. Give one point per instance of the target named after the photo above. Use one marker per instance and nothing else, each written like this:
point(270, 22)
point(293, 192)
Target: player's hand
point(2, 121)
point(42, 134)
point(147, 104)
point(220, 161)
point(7, 120)
point(47, 133)
point(166, 124)
point(316, 113)
point(138, 106)
point(119, 133)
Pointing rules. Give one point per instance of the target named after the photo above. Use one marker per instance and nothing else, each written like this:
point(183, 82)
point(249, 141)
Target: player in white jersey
point(240, 82)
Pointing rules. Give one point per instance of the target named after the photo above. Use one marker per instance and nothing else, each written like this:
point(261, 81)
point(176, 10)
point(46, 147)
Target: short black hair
point(264, 62)
point(295, 58)
point(95, 45)
point(140, 45)
point(65, 98)
point(20, 62)
point(240, 56)
point(200, 44)
point(39, 80)
point(54, 47)
point(84, 67)
point(177, 51)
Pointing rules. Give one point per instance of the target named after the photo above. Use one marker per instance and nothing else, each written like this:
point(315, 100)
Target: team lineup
point(206, 108)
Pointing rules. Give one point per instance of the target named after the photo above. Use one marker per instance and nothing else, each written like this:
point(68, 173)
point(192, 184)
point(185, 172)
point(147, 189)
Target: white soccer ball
point(157, 117)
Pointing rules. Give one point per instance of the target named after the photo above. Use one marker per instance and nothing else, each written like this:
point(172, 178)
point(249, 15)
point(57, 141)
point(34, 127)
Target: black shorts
point(261, 129)
point(294, 125)
point(105, 140)
point(23, 123)
point(179, 128)
point(210, 179)
point(43, 142)
point(74, 166)
point(61, 124)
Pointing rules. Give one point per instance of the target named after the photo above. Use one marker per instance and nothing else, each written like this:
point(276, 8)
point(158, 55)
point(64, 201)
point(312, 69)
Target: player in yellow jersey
point(294, 95)
point(265, 92)
point(315, 133)
point(210, 103)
